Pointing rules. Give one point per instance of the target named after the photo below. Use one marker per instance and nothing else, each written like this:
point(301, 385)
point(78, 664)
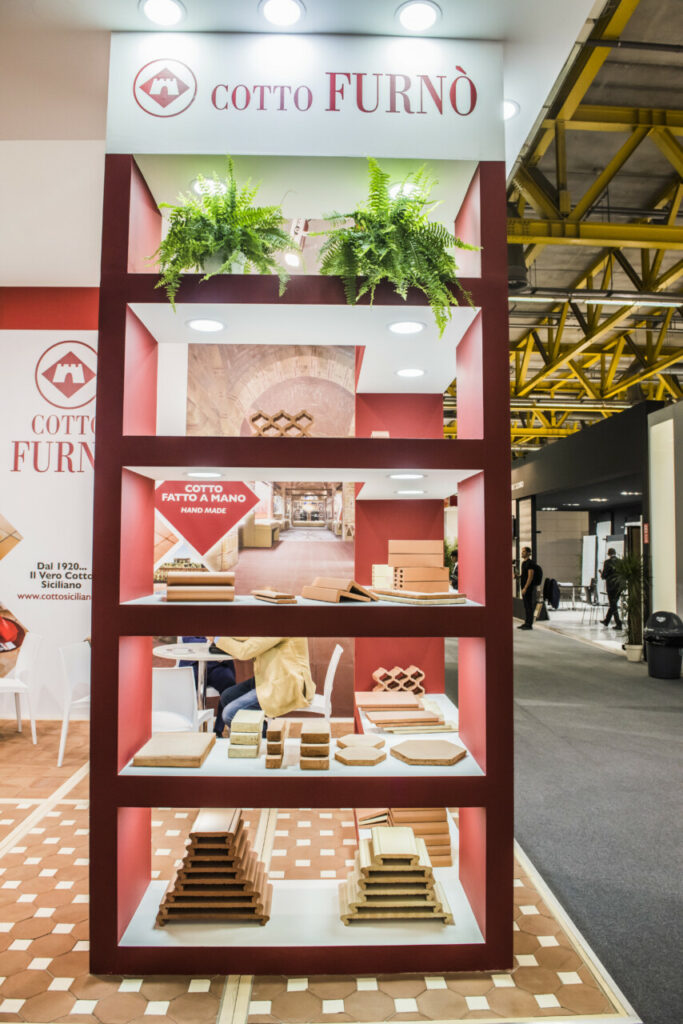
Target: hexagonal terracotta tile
point(442, 1004)
point(297, 1007)
point(370, 1006)
point(121, 1008)
point(25, 984)
point(400, 988)
point(536, 979)
point(582, 999)
point(331, 987)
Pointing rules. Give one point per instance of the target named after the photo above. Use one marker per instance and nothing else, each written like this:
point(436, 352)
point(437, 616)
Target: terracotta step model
point(220, 877)
point(392, 878)
point(431, 825)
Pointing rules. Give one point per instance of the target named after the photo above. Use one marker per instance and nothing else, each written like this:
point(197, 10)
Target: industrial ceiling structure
point(594, 228)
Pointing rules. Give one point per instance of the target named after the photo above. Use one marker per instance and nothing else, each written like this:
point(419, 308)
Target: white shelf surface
point(219, 764)
point(246, 600)
point(309, 909)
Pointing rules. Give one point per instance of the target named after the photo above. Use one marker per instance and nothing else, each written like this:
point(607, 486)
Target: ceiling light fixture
point(406, 327)
point(411, 492)
point(571, 504)
point(209, 187)
point(201, 475)
point(292, 260)
point(634, 494)
point(550, 508)
point(282, 13)
point(510, 109)
point(163, 12)
point(418, 15)
point(205, 326)
point(600, 500)
point(406, 476)
point(410, 372)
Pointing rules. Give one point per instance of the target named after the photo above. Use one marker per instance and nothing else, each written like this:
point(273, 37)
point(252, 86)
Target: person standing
point(609, 575)
point(529, 578)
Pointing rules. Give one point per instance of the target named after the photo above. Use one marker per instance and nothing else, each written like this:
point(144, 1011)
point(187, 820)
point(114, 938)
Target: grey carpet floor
point(599, 807)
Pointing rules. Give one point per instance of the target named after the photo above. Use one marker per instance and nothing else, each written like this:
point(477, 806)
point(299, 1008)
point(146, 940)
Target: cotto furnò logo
point(66, 374)
point(164, 88)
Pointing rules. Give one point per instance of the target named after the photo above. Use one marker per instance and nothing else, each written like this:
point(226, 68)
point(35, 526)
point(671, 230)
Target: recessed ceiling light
point(598, 499)
point(406, 476)
point(406, 327)
point(209, 187)
point(163, 12)
point(205, 325)
point(282, 12)
point(631, 493)
point(292, 260)
point(549, 508)
point(403, 188)
point(410, 492)
point(200, 475)
point(410, 372)
point(510, 109)
point(571, 504)
point(418, 15)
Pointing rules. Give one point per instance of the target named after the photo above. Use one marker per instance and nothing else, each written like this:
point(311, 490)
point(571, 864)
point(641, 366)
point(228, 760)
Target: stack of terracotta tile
point(392, 878)
point(220, 876)
point(200, 586)
point(405, 679)
point(336, 589)
point(429, 824)
point(418, 566)
point(245, 734)
point(315, 745)
point(275, 742)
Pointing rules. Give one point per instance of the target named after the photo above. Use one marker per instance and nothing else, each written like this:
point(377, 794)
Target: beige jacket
point(281, 670)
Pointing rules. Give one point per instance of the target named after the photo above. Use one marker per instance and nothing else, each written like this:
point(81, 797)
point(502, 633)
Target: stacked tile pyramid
point(392, 878)
point(220, 877)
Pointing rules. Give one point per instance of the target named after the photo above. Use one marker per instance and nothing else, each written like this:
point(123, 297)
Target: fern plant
point(630, 574)
point(390, 238)
point(221, 225)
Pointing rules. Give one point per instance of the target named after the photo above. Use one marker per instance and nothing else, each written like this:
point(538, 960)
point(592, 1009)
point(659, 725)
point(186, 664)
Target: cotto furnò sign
point(202, 513)
point(305, 96)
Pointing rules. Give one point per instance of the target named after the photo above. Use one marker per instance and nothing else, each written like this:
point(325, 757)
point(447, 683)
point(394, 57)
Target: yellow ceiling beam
point(645, 373)
point(613, 167)
point(671, 149)
point(597, 118)
point(594, 234)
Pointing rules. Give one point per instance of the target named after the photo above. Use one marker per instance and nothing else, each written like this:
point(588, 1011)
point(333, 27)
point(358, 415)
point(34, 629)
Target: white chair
point(322, 702)
point(76, 665)
point(20, 680)
point(174, 701)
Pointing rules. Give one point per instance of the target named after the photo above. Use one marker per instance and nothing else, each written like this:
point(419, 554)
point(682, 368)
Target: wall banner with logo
point(47, 433)
point(305, 95)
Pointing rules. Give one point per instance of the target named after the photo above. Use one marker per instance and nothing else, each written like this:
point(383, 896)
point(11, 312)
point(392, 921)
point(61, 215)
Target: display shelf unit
point(124, 621)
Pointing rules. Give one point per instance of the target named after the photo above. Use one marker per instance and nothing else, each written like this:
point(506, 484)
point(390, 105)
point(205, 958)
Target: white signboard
point(305, 95)
point(47, 425)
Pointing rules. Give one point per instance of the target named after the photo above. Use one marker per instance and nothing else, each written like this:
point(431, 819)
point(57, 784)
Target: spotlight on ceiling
point(205, 325)
point(418, 15)
point(406, 476)
point(510, 109)
point(406, 327)
point(282, 13)
point(203, 475)
point(410, 372)
point(165, 13)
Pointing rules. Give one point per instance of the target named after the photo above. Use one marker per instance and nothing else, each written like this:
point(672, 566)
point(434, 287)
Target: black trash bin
point(663, 635)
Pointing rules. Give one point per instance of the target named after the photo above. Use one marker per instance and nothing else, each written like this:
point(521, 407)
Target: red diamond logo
point(202, 513)
point(69, 374)
point(164, 87)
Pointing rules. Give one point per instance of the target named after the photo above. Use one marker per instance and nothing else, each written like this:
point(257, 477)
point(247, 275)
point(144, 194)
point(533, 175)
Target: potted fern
point(390, 238)
point(630, 574)
point(220, 230)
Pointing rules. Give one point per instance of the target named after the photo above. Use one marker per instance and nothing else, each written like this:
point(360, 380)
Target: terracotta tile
point(330, 987)
point(512, 1002)
point(194, 1008)
point(585, 974)
point(398, 987)
point(370, 1006)
point(261, 1018)
point(477, 1015)
point(409, 1016)
point(121, 1008)
point(47, 1007)
point(536, 979)
point(24, 984)
point(70, 965)
point(71, 914)
point(14, 961)
point(523, 942)
point(161, 987)
point(89, 986)
point(335, 1018)
point(538, 924)
point(297, 1007)
point(470, 984)
point(268, 987)
point(52, 945)
point(582, 999)
point(557, 958)
point(442, 1004)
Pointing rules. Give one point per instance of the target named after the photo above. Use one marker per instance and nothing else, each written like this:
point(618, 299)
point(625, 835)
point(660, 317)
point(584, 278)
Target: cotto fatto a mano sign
point(202, 513)
point(305, 96)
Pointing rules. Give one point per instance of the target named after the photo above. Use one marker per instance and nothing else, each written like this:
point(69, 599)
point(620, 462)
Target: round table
point(192, 652)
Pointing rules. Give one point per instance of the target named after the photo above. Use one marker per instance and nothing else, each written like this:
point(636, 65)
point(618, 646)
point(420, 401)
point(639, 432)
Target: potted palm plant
point(220, 230)
point(630, 574)
point(391, 238)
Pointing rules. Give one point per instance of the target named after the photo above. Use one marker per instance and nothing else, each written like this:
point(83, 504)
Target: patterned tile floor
point(44, 925)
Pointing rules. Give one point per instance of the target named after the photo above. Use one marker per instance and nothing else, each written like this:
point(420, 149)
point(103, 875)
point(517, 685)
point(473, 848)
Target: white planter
point(634, 652)
point(213, 263)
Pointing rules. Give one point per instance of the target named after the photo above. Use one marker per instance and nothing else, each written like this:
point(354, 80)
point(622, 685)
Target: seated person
point(282, 677)
point(219, 674)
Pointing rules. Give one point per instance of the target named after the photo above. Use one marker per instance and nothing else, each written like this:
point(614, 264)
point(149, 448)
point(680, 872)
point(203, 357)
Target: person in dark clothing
point(527, 578)
point(219, 674)
point(609, 575)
